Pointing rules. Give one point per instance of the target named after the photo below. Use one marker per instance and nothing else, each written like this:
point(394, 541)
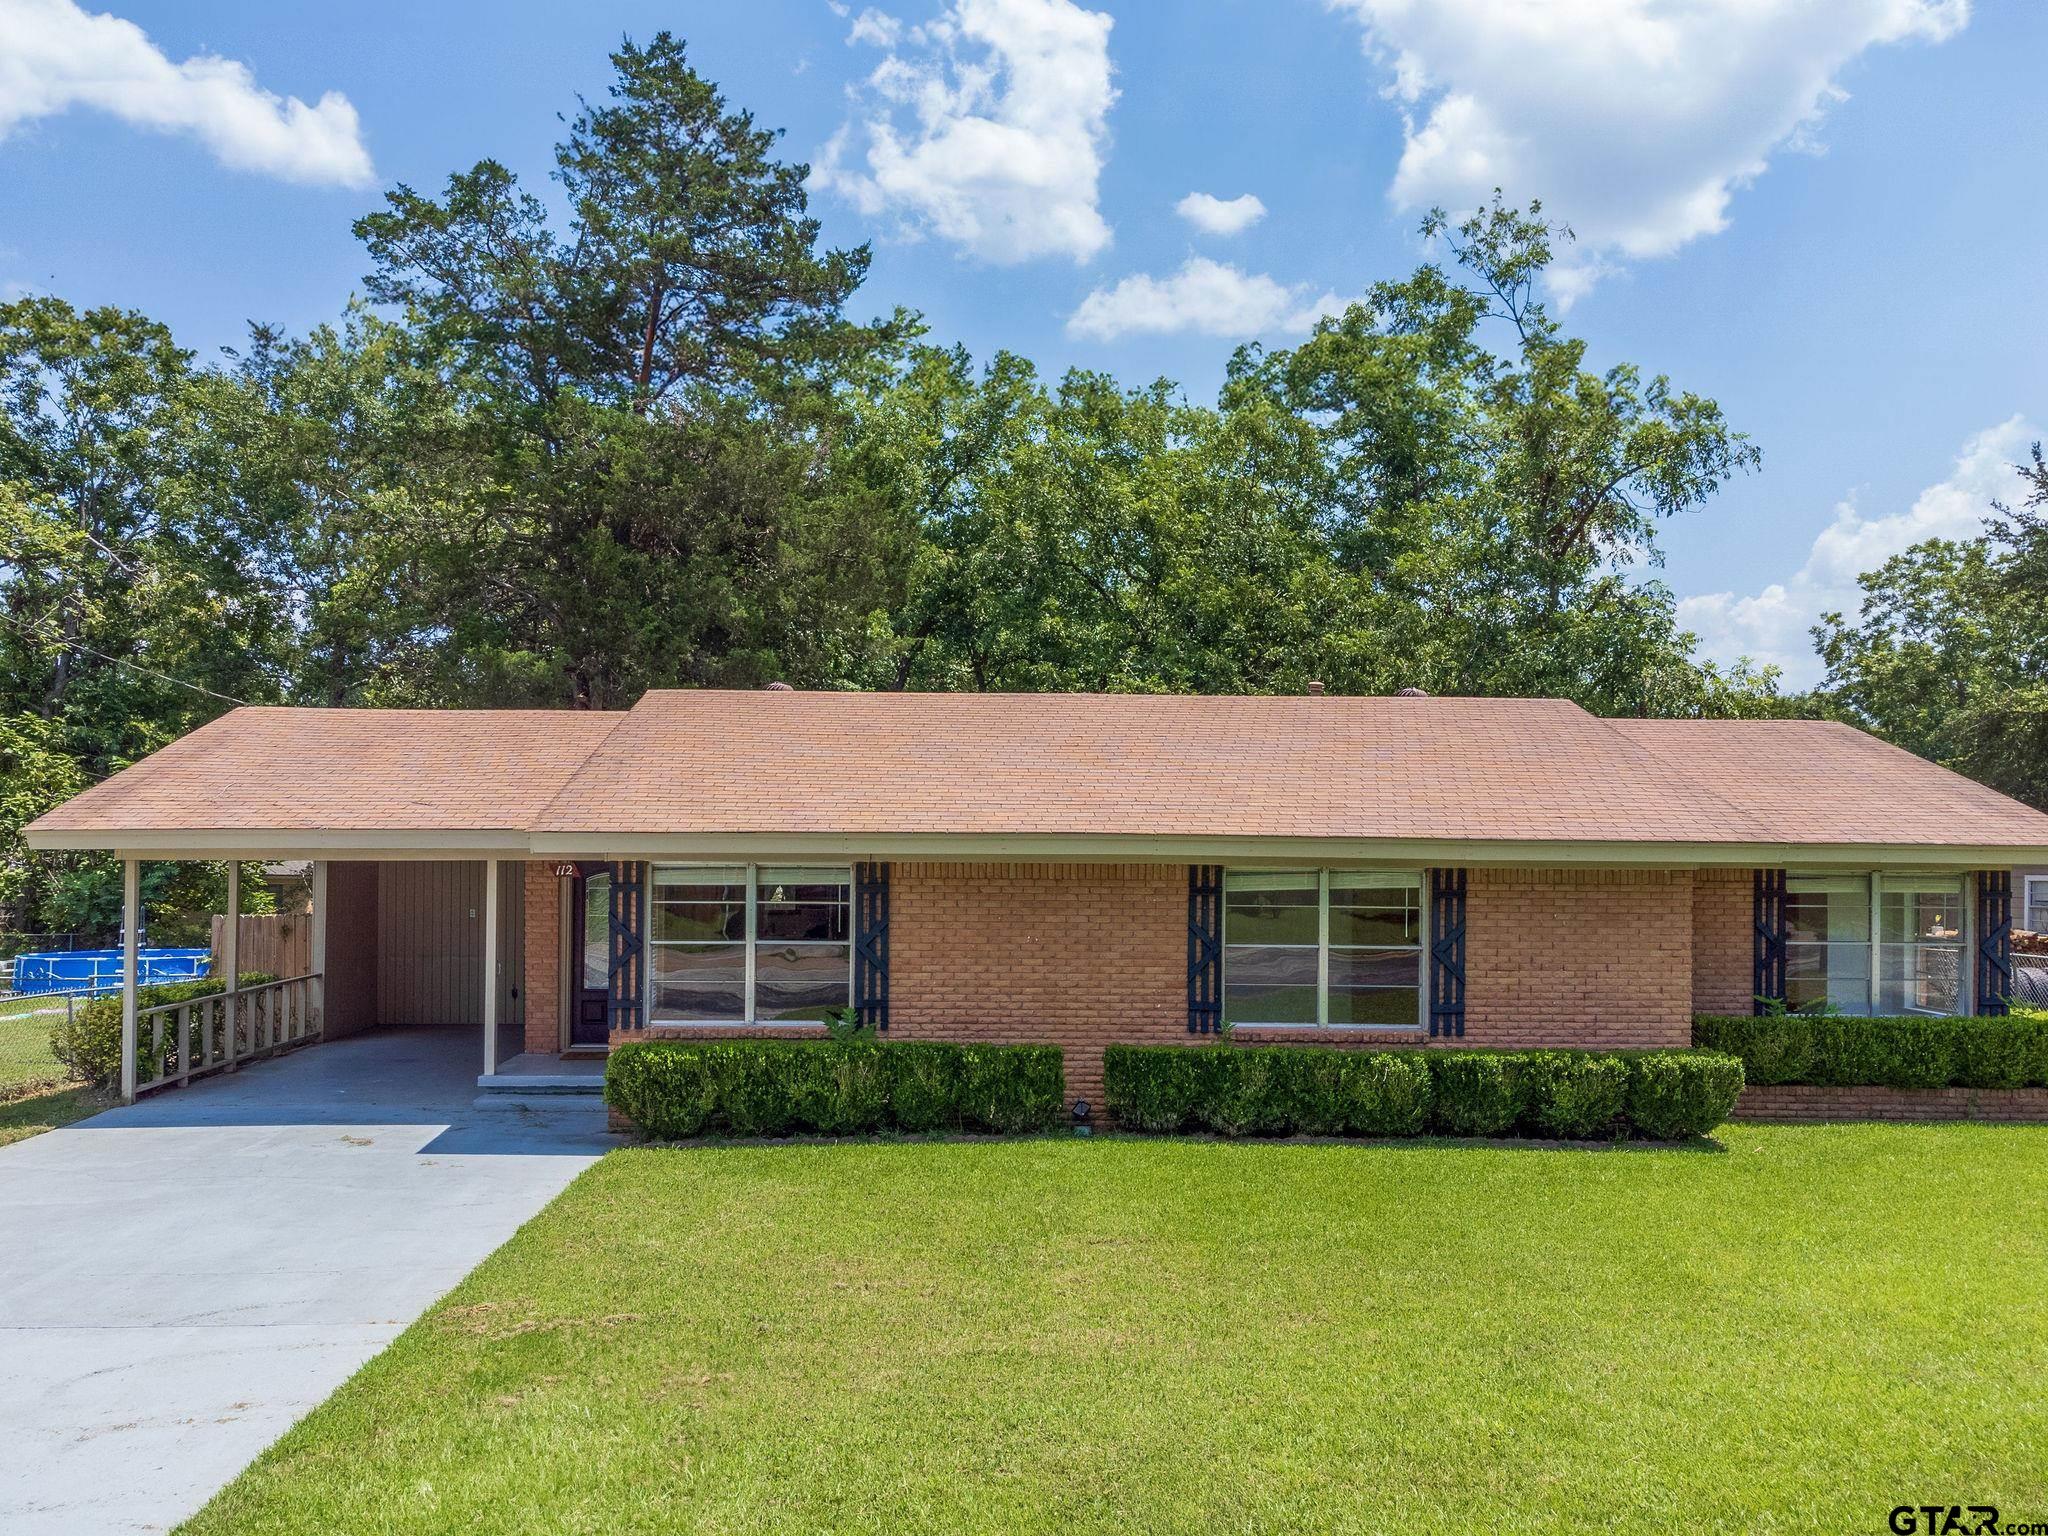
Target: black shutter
point(628, 923)
point(1767, 975)
point(871, 944)
point(1205, 948)
point(1994, 941)
point(1447, 954)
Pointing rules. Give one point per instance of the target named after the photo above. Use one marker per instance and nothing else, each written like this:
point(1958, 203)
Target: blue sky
point(1825, 213)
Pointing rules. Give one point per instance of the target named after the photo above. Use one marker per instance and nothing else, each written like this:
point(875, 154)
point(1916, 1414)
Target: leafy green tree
point(1948, 655)
point(131, 609)
point(650, 406)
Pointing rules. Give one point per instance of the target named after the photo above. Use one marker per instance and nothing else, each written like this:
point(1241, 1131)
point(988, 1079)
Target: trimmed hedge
point(1329, 1091)
point(89, 1042)
point(1844, 1051)
point(674, 1090)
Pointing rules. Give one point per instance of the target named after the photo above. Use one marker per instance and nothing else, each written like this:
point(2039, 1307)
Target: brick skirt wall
point(1796, 1103)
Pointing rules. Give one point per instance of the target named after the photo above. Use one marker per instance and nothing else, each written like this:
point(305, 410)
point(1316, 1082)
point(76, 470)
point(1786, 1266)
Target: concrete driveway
point(182, 1279)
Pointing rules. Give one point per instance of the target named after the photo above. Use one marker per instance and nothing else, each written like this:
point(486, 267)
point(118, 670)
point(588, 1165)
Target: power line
point(132, 666)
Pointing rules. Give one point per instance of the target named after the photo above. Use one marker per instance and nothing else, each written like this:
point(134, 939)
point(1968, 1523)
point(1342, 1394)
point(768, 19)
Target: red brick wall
point(1797, 1102)
point(1076, 955)
point(1723, 925)
point(541, 975)
point(1568, 957)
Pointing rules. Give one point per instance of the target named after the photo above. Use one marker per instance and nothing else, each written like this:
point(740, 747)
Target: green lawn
point(1125, 1336)
point(31, 1111)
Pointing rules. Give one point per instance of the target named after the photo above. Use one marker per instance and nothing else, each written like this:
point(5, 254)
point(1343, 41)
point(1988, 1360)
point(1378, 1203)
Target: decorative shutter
point(871, 944)
point(1447, 954)
point(1994, 941)
point(1767, 977)
point(628, 922)
point(1205, 948)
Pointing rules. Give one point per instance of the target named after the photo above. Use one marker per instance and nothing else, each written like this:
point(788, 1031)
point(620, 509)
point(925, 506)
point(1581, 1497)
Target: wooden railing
point(176, 1042)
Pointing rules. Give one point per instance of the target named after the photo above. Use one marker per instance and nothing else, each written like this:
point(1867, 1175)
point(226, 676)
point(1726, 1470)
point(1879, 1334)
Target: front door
point(590, 946)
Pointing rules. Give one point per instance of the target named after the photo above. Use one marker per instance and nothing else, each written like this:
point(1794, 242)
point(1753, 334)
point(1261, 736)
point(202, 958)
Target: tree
point(1948, 656)
point(1389, 504)
point(651, 405)
point(1499, 502)
point(131, 609)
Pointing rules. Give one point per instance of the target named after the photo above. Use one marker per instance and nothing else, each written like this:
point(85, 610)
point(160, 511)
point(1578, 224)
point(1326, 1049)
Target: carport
point(415, 824)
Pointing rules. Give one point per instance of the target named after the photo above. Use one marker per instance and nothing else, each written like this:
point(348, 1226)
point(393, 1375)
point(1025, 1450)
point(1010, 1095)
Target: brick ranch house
point(1089, 869)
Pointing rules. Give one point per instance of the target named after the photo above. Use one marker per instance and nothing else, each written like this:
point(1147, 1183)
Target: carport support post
point(131, 945)
point(490, 967)
point(231, 956)
point(320, 945)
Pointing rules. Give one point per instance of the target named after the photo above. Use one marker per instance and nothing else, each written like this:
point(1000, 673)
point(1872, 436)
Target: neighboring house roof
point(710, 770)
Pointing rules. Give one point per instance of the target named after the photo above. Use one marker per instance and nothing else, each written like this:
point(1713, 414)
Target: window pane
point(1269, 986)
point(687, 1004)
point(672, 921)
point(688, 882)
point(1375, 917)
point(802, 904)
point(1832, 908)
point(1375, 1005)
point(597, 932)
point(699, 962)
point(698, 981)
point(1837, 973)
point(1921, 909)
point(800, 981)
point(1920, 978)
point(1269, 908)
point(1375, 967)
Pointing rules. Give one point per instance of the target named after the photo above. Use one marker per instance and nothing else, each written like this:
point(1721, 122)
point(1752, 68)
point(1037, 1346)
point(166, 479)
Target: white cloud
point(876, 28)
point(987, 126)
point(1771, 625)
point(1633, 120)
point(1215, 216)
point(55, 56)
point(1207, 297)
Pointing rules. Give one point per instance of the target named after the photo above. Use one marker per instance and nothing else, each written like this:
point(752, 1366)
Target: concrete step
point(587, 1084)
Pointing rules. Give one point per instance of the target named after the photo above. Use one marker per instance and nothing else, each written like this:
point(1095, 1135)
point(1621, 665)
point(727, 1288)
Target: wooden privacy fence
point(277, 944)
point(176, 1042)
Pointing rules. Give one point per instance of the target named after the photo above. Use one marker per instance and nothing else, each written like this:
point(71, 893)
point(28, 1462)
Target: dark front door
point(590, 946)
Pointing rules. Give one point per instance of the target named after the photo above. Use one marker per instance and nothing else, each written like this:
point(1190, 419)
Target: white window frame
point(1322, 1024)
point(1873, 879)
point(2033, 903)
point(753, 884)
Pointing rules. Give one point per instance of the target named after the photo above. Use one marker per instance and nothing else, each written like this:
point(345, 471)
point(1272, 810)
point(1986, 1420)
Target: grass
point(31, 1111)
point(1796, 1333)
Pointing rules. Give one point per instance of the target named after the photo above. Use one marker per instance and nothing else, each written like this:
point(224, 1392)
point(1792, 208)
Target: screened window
point(1322, 949)
point(748, 944)
point(2033, 913)
point(1884, 944)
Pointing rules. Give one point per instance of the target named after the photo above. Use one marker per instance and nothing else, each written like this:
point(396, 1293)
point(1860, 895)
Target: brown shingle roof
point(1052, 765)
point(345, 770)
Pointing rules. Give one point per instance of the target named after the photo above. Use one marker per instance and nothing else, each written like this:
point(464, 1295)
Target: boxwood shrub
point(1843, 1051)
point(88, 1042)
point(677, 1089)
point(1329, 1091)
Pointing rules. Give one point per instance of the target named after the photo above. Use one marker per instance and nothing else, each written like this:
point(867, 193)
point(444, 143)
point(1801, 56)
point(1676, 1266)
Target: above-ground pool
point(99, 970)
